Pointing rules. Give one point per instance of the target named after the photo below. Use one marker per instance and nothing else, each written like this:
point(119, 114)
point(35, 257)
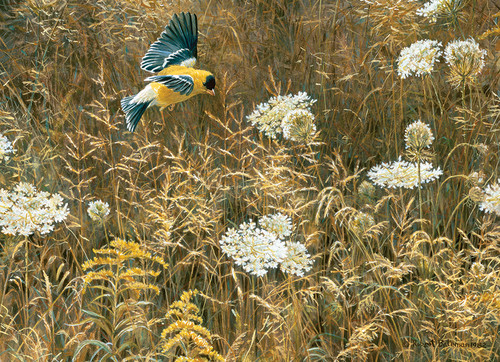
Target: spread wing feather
point(176, 44)
point(182, 84)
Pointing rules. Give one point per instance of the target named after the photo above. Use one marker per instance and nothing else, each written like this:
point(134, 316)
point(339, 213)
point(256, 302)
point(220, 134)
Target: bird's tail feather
point(133, 111)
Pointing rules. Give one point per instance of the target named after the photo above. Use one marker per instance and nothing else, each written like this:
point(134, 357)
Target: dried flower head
point(465, 59)
point(475, 178)
point(98, 210)
point(491, 201)
point(418, 136)
point(297, 261)
point(419, 58)
point(25, 210)
point(268, 117)
point(298, 126)
point(360, 223)
point(366, 191)
point(403, 174)
point(477, 269)
point(5, 148)
point(476, 194)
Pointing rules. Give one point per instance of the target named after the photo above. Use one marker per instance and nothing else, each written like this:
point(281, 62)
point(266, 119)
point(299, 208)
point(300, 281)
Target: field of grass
point(395, 273)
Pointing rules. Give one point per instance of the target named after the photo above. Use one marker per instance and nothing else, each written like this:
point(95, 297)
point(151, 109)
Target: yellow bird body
point(172, 57)
point(166, 96)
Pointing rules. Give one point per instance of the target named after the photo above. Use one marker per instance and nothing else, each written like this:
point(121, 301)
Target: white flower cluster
point(434, 8)
point(98, 210)
point(5, 148)
point(259, 248)
point(419, 58)
point(268, 117)
point(491, 201)
point(418, 136)
point(403, 174)
point(465, 55)
point(26, 210)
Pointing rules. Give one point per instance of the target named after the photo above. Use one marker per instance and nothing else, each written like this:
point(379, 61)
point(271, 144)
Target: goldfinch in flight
point(173, 55)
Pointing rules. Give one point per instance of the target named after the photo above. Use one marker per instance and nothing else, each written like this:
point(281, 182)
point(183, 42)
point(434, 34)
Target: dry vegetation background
point(399, 289)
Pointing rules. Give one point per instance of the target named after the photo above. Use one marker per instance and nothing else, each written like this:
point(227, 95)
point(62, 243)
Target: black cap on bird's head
point(210, 84)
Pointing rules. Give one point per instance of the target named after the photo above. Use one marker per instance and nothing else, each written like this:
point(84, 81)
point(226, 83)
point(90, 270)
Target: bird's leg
point(171, 107)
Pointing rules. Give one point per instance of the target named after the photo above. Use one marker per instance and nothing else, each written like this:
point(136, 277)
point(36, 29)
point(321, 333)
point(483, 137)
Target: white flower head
point(268, 117)
point(491, 201)
point(297, 260)
point(260, 248)
point(433, 9)
point(441, 8)
point(25, 210)
point(279, 224)
point(465, 59)
point(418, 136)
point(98, 210)
point(419, 58)
point(254, 249)
point(403, 174)
point(5, 148)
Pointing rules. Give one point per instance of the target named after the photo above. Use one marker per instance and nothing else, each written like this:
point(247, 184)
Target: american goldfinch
point(173, 55)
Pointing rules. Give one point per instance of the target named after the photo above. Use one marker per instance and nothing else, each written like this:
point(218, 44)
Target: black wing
point(182, 84)
point(176, 44)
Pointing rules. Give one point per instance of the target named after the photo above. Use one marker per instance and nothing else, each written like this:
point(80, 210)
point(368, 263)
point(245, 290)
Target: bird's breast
point(166, 96)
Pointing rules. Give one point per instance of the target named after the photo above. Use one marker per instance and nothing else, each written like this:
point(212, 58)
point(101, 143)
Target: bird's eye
point(210, 82)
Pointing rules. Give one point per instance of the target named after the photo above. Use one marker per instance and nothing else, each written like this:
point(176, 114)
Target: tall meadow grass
point(397, 273)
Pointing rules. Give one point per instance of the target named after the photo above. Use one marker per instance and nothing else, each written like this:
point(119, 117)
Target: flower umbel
point(440, 8)
point(297, 261)
point(403, 174)
point(298, 125)
point(418, 136)
point(279, 224)
point(419, 58)
point(253, 248)
point(259, 248)
point(98, 210)
point(465, 59)
point(5, 148)
point(491, 201)
point(25, 210)
point(268, 117)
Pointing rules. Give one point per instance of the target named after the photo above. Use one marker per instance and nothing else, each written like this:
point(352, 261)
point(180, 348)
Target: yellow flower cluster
point(186, 331)
point(118, 255)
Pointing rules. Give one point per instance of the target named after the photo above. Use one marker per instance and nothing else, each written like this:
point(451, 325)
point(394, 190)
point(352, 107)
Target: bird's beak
point(211, 92)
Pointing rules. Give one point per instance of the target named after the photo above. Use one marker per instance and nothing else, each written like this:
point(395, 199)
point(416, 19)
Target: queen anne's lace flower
point(403, 174)
point(279, 224)
point(5, 148)
point(433, 9)
point(98, 210)
point(26, 210)
point(297, 260)
point(259, 248)
point(491, 200)
point(418, 58)
point(253, 248)
point(466, 60)
point(298, 126)
point(418, 136)
point(268, 117)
